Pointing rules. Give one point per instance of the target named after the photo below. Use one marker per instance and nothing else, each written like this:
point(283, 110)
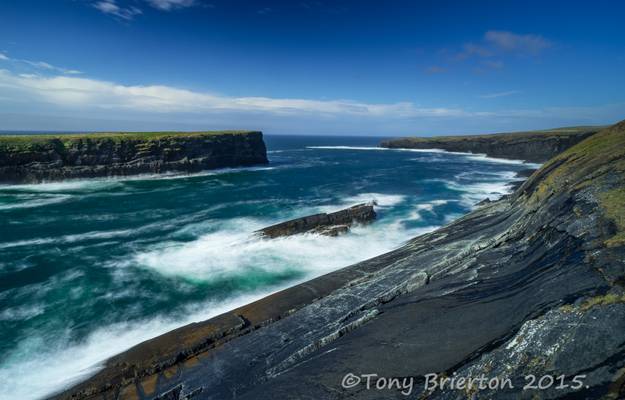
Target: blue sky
point(310, 67)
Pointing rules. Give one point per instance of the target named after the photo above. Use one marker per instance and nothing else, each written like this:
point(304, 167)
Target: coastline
point(164, 352)
point(38, 158)
point(532, 146)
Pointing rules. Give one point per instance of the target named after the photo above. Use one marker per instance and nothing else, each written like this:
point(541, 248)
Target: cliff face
point(538, 146)
point(30, 159)
point(532, 284)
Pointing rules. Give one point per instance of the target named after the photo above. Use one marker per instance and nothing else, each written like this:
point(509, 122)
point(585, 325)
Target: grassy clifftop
point(38, 158)
point(535, 146)
point(596, 164)
point(511, 136)
point(16, 141)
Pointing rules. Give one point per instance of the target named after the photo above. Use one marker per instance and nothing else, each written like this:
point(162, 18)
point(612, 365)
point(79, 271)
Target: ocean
point(89, 268)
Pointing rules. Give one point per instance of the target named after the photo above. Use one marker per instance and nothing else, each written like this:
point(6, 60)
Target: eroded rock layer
point(531, 284)
point(535, 146)
point(32, 159)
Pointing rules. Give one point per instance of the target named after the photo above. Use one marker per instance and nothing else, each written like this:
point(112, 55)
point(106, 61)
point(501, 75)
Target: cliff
point(532, 284)
point(534, 146)
point(37, 158)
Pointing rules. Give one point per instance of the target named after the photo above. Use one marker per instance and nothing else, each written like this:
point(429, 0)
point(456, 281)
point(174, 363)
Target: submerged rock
point(331, 224)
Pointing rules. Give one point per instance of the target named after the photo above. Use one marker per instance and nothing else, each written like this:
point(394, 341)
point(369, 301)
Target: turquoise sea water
point(90, 268)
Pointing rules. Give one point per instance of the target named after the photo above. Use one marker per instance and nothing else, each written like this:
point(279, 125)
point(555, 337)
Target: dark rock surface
point(331, 224)
point(88, 156)
point(537, 146)
point(531, 284)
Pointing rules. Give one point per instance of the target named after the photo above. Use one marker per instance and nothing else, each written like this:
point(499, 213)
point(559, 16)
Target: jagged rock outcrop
point(331, 224)
point(532, 284)
point(32, 159)
point(535, 146)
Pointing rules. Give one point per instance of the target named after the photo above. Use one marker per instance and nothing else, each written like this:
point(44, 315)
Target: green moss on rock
point(598, 164)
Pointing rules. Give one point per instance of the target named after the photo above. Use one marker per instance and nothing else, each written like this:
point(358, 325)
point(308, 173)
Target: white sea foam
point(417, 213)
point(346, 148)
point(382, 200)
point(467, 155)
point(21, 313)
point(231, 251)
point(373, 148)
point(69, 238)
point(478, 191)
point(41, 366)
point(81, 185)
point(485, 158)
point(35, 201)
point(78, 185)
point(488, 175)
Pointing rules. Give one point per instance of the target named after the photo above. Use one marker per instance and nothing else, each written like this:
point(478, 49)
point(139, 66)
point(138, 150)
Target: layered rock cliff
point(37, 158)
point(532, 284)
point(535, 146)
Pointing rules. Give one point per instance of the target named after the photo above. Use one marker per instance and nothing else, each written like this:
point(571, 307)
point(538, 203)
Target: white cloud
point(39, 64)
point(111, 7)
point(77, 93)
point(509, 41)
point(499, 94)
point(167, 5)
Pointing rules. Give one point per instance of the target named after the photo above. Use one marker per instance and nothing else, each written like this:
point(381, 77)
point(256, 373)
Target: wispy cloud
point(167, 5)
point(497, 43)
point(78, 93)
point(499, 94)
point(508, 41)
point(39, 65)
point(112, 8)
point(116, 8)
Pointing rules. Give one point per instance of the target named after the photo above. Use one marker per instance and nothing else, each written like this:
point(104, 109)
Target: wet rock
point(531, 284)
point(331, 224)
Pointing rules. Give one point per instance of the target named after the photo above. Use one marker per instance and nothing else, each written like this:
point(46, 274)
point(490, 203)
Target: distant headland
point(53, 157)
point(533, 146)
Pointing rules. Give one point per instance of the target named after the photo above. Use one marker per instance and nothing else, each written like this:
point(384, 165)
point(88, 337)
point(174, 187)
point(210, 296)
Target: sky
point(380, 68)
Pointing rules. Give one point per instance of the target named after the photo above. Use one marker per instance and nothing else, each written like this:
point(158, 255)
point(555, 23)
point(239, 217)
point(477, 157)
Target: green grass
point(9, 140)
point(556, 132)
point(613, 202)
point(597, 162)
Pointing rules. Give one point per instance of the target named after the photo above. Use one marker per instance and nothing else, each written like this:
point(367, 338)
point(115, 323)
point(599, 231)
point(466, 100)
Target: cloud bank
point(79, 93)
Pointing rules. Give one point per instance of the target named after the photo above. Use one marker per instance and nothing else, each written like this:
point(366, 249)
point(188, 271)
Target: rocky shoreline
point(39, 158)
point(534, 146)
point(532, 284)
